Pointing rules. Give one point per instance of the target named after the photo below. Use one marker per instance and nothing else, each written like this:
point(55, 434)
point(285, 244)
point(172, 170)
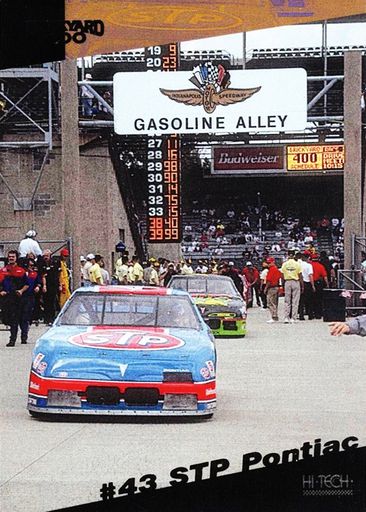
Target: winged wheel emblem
point(213, 89)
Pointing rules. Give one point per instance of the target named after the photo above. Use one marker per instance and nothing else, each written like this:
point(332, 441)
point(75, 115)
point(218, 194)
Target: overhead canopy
point(142, 23)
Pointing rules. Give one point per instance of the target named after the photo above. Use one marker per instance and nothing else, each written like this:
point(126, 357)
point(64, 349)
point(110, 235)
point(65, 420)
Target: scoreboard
point(164, 223)
point(315, 157)
point(162, 58)
point(163, 177)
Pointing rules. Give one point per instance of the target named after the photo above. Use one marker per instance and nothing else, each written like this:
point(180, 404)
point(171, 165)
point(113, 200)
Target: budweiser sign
point(237, 159)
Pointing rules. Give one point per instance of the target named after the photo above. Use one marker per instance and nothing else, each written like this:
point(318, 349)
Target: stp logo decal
point(126, 340)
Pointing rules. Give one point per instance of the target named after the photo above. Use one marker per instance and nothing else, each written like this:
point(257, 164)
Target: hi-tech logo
point(327, 485)
point(76, 30)
point(213, 84)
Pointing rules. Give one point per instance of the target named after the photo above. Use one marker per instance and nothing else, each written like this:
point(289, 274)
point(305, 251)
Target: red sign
point(126, 339)
point(244, 159)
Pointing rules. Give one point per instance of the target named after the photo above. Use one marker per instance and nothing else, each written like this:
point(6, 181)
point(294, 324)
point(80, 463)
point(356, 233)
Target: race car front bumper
point(67, 396)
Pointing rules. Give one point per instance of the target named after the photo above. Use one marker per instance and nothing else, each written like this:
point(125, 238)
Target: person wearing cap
point(90, 259)
point(320, 282)
point(29, 244)
point(64, 281)
point(252, 276)
point(232, 272)
point(294, 285)
point(271, 289)
point(86, 98)
point(121, 270)
point(154, 274)
point(95, 273)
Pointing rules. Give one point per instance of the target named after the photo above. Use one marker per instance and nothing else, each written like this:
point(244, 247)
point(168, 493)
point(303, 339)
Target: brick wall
point(102, 211)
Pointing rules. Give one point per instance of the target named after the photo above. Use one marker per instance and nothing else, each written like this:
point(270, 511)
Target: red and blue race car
point(129, 350)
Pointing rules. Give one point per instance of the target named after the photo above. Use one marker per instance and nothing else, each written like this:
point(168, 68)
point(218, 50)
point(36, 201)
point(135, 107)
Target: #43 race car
point(219, 302)
point(128, 350)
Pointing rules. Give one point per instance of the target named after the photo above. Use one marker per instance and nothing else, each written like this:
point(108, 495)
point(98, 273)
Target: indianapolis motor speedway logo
point(213, 89)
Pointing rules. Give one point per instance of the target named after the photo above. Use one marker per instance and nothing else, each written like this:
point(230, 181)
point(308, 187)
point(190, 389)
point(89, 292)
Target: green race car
point(221, 305)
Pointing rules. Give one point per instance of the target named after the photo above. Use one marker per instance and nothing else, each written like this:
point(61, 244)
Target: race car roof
point(129, 290)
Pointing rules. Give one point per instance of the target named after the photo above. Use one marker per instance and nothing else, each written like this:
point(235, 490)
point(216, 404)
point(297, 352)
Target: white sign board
point(210, 100)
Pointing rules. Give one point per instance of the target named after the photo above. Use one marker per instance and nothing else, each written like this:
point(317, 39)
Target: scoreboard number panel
point(163, 189)
point(163, 164)
point(315, 157)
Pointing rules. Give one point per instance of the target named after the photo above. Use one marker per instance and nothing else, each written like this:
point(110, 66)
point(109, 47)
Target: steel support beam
point(320, 94)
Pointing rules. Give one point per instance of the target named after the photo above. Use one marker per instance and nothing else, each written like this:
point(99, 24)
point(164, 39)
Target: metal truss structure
point(21, 90)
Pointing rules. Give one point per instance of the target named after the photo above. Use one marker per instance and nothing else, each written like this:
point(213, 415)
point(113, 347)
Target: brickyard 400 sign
point(210, 99)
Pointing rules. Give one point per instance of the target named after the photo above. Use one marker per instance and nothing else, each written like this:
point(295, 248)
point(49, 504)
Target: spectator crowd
point(35, 284)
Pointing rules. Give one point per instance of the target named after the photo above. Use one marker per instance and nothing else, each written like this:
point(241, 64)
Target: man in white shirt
point(87, 98)
point(85, 270)
point(307, 296)
point(28, 244)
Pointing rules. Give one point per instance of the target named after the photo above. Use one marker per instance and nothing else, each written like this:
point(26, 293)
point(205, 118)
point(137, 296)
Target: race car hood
point(128, 354)
point(208, 304)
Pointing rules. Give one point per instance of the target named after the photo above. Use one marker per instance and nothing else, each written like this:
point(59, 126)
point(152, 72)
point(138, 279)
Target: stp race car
point(220, 303)
point(128, 350)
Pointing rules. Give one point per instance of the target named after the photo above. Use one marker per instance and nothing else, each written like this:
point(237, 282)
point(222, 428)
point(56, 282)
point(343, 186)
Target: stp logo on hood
point(126, 340)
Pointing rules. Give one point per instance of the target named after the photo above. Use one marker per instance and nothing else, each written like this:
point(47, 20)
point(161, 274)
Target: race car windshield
point(205, 286)
point(132, 310)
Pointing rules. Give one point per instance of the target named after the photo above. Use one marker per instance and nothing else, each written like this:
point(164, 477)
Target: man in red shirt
point(13, 282)
point(320, 279)
point(273, 280)
point(253, 279)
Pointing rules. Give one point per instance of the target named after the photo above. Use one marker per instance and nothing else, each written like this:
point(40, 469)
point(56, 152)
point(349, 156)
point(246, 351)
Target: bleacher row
point(234, 251)
point(318, 51)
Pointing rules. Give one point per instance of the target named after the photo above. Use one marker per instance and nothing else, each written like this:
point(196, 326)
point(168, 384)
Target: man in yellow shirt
point(94, 271)
point(291, 270)
point(121, 270)
point(137, 271)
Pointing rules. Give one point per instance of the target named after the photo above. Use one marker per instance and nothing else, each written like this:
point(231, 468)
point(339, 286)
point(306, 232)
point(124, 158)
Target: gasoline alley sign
point(210, 99)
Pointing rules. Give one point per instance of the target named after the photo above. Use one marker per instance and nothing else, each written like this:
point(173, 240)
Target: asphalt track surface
point(279, 387)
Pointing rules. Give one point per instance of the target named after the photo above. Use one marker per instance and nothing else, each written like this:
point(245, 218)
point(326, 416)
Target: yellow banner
point(104, 26)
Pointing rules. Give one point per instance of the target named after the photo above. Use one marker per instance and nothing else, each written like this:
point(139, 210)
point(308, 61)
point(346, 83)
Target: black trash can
point(334, 306)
